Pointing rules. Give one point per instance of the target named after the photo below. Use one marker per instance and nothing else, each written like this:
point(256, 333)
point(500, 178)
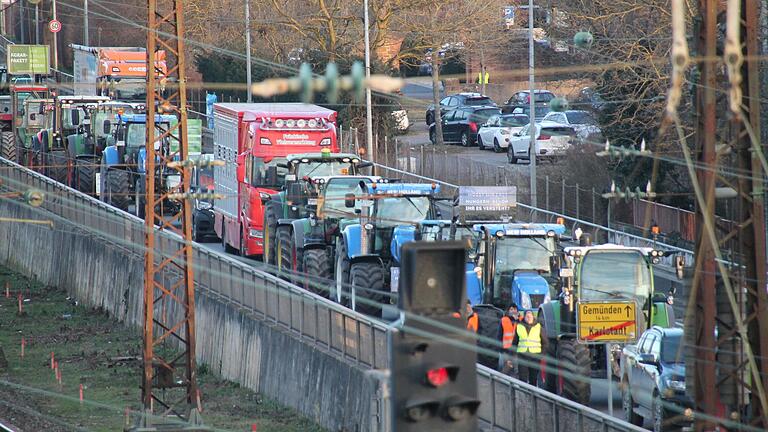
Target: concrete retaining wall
point(235, 345)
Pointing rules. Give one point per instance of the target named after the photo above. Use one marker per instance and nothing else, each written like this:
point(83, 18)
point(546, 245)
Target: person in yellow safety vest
point(473, 321)
point(483, 76)
point(530, 340)
point(507, 330)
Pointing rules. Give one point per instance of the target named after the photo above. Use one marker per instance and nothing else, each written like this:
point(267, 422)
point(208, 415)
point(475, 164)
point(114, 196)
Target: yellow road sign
point(600, 322)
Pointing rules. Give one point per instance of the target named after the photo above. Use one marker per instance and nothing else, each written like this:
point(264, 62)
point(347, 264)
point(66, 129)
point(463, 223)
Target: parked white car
point(401, 121)
point(496, 132)
point(552, 141)
point(582, 122)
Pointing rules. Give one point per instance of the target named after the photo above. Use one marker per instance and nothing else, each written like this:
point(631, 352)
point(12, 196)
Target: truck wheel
point(550, 369)
point(57, 166)
point(86, 176)
point(270, 225)
point(367, 280)
point(227, 248)
point(317, 271)
point(574, 370)
point(140, 199)
point(285, 259)
point(8, 146)
point(117, 188)
point(340, 289)
point(628, 405)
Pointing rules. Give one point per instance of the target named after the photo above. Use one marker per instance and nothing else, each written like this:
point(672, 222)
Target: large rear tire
point(8, 146)
point(340, 290)
point(86, 176)
point(140, 199)
point(574, 370)
point(57, 166)
point(368, 280)
point(117, 188)
point(285, 260)
point(317, 271)
point(270, 227)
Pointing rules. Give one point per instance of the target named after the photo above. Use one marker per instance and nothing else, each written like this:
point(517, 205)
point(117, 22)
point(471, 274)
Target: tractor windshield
point(611, 275)
point(523, 253)
point(405, 210)
point(335, 192)
point(137, 133)
point(323, 168)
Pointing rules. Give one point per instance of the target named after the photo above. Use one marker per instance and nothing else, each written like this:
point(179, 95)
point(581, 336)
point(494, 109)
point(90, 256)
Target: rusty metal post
point(169, 275)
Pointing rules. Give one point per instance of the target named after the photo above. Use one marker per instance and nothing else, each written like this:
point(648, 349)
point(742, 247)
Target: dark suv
point(461, 125)
point(653, 379)
point(458, 100)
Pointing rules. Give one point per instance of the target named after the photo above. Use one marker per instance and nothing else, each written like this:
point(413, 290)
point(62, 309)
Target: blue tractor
point(368, 249)
point(122, 173)
point(514, 264)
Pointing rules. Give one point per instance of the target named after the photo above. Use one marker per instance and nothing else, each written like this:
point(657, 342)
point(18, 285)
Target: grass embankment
point(96, 351)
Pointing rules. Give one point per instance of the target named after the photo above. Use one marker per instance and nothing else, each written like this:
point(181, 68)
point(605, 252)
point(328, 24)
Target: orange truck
point(118, 72)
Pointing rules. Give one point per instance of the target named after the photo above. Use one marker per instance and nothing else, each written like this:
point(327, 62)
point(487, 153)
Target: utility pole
point(55, 41)
point(368, 110)
point(170, 376)
point(248, 47)
point(532, 130)
point(85, 23)
point(37, 23)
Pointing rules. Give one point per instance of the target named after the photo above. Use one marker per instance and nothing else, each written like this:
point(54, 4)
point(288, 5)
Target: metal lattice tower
point(730, 369)
point(169, 295)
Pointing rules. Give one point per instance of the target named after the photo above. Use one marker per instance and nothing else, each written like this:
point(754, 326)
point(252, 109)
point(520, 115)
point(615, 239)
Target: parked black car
point(461, 125)
point(653, 380)
point(453, 102)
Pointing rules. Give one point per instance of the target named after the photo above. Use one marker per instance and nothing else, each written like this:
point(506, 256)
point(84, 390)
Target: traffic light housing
point(432, 355)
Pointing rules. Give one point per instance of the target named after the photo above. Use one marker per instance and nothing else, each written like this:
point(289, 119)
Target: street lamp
point(368, 111)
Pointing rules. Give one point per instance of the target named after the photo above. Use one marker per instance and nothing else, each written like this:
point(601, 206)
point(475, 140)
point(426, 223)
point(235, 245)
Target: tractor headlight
point(655, 260)
point(368, 226)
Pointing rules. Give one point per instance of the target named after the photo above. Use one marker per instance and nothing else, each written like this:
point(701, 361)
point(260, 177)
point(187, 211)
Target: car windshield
point(403, 210)
point(261, 173)
point(447, 232)
point(523, 253)
point(540, 110)
point(478, 101)
point(482, 116)
point(580, 117)
point(670, 349)
point(325, 168)
point(607, 275)
point(514, 121)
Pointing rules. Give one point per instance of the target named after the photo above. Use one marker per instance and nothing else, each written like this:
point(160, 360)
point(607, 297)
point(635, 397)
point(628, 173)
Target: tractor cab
point(514, 264)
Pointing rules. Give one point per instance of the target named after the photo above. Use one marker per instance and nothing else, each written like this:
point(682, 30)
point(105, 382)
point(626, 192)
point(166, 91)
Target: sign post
point(608, 323)
point(28, 59)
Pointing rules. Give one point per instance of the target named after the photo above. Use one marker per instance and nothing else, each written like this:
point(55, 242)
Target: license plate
point(98, 184)
point(312, 201)
point(394, 273)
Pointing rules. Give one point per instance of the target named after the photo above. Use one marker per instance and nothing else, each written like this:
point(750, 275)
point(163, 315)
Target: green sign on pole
point(194, 136)
point(28, 59)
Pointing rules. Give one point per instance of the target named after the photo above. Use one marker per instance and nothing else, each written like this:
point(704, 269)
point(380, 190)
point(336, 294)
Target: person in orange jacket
point(473, 321)
point(507, 331)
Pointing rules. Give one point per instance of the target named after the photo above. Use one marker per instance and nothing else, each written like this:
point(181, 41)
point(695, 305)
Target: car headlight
point(255, 233)
point(504, 132)
point(678, 385)
point(525, 300)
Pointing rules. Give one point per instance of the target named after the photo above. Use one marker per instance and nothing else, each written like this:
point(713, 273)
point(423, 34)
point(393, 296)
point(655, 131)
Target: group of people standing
point(523, 340)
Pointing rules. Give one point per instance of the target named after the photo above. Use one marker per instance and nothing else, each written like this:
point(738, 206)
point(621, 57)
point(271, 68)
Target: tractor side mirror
point(649, 359)
point(75, 115)
point(554, 264)
point(349, 200)
point(107, 127)
point(680, 266)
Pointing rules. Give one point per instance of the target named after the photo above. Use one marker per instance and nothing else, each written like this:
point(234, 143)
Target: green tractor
point(306, 173)
point(599, 275)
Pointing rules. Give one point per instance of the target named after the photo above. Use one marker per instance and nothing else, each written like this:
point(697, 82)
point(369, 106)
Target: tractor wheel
point(574, 370)
point(550, 368)
point(340, 289)
point(86, 176)
point(117, 188)
point(57, 166)
point(140, 199)
point(8, 146)
point(270, 226)
point(317, 271)
point(285, 260)
point(367, 280)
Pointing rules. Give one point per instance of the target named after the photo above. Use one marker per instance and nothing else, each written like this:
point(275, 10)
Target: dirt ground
point(96, 351)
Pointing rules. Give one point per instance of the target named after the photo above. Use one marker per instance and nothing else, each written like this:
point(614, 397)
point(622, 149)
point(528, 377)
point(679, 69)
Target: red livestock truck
point(253, 140)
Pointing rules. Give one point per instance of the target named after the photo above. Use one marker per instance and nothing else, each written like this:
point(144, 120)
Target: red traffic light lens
point(437, 377)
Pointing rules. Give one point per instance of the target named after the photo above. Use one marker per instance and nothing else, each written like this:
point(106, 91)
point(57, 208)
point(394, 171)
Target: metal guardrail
point(358, 339)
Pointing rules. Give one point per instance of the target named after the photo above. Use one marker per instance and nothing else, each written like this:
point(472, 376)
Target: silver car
point(552, 141)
